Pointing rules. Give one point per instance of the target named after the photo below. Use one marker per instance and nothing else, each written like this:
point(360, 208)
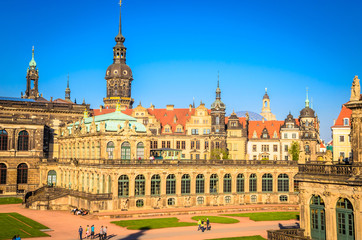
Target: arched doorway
point(317, 218)
point(52, 178)
point(345, 220)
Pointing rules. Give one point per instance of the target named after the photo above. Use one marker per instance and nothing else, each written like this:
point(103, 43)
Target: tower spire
point(67, 90)
point(119, 38)
point(307, 100)
point(32, 63)
point(218, 91)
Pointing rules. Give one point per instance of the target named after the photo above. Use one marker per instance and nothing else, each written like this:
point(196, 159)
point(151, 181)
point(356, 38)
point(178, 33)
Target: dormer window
point(345, 121)
point(167, 129)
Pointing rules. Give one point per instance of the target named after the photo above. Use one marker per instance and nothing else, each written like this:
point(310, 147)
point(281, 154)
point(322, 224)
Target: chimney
point(152, 107)
point(169, 107)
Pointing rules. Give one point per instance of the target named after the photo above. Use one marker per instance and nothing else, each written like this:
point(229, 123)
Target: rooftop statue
point(355, 89)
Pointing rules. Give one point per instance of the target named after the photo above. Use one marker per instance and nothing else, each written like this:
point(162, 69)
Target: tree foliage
point(294, 150)
point(216, 153)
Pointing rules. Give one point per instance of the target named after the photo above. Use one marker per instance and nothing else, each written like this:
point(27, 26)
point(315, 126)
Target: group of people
point(81, 211)
point(90, 232)
point(16, 237)
point(202, 224)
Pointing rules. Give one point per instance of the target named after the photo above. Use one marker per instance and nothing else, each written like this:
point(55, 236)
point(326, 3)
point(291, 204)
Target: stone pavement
point(65, 226)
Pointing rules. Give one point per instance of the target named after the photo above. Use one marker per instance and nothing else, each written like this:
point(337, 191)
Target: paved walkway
point(65, 226)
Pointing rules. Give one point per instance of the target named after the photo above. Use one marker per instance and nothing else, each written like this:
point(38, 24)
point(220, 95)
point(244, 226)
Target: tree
point(216, 152)
point(294, 150)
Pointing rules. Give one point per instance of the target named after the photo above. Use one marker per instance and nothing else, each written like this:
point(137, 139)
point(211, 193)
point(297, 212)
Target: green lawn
point(152, 223)
point(267, 216)
point(13, 224)
point(257, 237)
point(10, 200)
point(216, 219)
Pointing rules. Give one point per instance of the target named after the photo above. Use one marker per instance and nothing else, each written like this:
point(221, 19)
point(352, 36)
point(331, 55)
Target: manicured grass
point(10, 200)
point(216, 219)
point(267, 216)
point(13, 224)
point(256, 237)
point(152, 223)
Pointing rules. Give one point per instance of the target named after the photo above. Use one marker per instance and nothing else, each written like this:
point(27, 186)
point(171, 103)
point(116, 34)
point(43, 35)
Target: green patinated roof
point(112, 122)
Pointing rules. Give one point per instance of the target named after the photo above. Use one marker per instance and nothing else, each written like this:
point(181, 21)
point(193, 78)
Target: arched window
point(123, 186)
point(227, 183)
point(3, 140)
point(217, 120)
point(252, 183)
point(23, 141)
point(139, 189)
point(171, 184)
point(52, 178)
point(317, 218)
point(110, 149)
point(283, 183)
point(200, 183)
point(126, 151)
point(140, 150)
point(22, 176)
point(240, 183)
point(345, 219)
point(156, 185)
point(214, 184)
point(3, 171)
point(185, 184)
point(267, 183)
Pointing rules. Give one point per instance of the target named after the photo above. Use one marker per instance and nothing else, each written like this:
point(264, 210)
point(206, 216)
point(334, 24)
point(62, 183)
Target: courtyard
point(64, 225)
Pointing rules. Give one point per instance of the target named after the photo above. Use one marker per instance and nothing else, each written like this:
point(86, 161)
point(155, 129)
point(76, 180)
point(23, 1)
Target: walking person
point(80, 231)
point(92, 231)
point(199, 223)
point(87, 231)
point(101, 233)
point(105, 232)
point(207, 224)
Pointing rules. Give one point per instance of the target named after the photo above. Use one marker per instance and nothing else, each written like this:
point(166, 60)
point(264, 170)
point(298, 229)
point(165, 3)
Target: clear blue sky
point(176, 48)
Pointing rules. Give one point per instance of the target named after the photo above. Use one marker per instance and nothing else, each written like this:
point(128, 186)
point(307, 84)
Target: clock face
point(115, 71)
point(125, 72)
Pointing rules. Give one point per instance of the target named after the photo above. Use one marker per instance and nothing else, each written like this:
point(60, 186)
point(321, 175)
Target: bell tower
point(265, 110)
point(32, 77)
point(119, 75)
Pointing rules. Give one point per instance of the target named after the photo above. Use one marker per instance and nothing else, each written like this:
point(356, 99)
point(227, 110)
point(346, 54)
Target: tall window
point(267, 183)
point(240, 183)
point(307, 150)
point(126, 151)
point(3, 140)
point(217, 120)
point(283, 183)
point(110, 149)
point(123, 186)
point(345, 219)
point(185, 184)
point(252, 183)
point(3, 171)
point(317, 218)
point(156, 185)
point(214, 184)
point(23, 141)
point(171, 184)
point(22, 173)
point(200, 183)
point(139, 189)
point(140, 150)
point(227, 183)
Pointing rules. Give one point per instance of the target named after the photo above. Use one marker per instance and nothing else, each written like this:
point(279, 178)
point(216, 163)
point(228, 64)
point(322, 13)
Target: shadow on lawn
point(137, 235)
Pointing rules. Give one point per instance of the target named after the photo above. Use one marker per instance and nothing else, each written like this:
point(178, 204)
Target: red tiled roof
point(258, 126)
point(242, 120)
point(345, 113)
point(322, 145)
point(97, 112)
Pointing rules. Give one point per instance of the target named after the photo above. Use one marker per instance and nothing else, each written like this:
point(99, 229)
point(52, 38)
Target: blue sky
point(176, 48)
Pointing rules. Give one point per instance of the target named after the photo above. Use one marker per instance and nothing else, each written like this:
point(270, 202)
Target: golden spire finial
point(120, 2)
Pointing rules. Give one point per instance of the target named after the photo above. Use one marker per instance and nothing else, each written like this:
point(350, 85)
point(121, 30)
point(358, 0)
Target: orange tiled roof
point(322, 145)
point(258, 126)
point(345, 113)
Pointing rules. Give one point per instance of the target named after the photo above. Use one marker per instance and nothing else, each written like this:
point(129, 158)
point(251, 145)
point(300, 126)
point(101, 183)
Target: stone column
point(132, 178)
point(178, 183)
point(148, 176)
point(207, 183)
point(331, 221)
point(193, 183)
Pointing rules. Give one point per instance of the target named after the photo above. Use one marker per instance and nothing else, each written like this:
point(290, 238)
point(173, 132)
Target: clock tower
point(119, 76)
